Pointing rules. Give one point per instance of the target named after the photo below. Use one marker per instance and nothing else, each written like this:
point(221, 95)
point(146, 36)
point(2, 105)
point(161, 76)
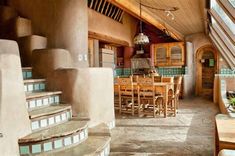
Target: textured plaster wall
point(198, 40)
point(90, 91)
point(104, 25)
point(63, 22)
point(14, 120)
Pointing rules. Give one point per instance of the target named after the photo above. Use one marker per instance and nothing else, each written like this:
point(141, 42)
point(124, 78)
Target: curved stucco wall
point(63, 22)
point(14, 119)
point(198, 40)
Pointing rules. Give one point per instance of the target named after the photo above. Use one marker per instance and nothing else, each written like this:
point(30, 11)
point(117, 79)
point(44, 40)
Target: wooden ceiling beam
point(147, 17)
point(107, 39)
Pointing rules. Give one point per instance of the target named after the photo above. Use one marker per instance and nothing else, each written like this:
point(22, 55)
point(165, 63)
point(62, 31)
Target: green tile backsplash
point(226, 71)
point(161, 71)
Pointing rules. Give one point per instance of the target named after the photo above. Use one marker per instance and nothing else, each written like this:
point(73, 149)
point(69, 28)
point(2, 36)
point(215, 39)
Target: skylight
point(215, 6)
point(232, 3)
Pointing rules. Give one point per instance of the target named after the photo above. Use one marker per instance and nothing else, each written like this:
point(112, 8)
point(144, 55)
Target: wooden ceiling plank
point(110, 10)
point(91, 4)
point(103, 6)
point(96, 2)
point(106, 11)
point(117, 14)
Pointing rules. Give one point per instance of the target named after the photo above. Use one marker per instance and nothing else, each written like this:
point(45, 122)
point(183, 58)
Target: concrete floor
point(191, 133)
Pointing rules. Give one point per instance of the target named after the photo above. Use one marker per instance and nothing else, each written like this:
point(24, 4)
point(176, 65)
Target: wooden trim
point(222, 24)
point(228, 8)
point(108, 39)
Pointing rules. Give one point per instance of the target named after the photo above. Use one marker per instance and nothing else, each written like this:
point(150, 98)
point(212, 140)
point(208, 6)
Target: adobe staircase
point(55, 132)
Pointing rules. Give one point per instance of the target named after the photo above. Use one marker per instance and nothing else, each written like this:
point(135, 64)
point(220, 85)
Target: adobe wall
point(14, 119)
point(104, 25)
point(198, 40)
point(63, 22)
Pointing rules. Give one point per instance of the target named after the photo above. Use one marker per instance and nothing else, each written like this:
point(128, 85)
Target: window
point(215, 6)
point(220, 32)
point(232, 2)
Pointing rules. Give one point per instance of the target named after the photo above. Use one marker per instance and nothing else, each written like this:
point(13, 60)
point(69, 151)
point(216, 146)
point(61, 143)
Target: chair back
point(125, 86)
point(177, 84)
point(168, 79)
point(116, 86)
point(157, 78)
point(146, 86)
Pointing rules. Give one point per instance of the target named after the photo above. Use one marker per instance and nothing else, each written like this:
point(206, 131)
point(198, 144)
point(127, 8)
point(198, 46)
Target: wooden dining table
point(163, 88)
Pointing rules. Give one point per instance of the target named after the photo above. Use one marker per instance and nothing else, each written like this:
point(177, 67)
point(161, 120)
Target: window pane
point(223, 15)
point(225, 38)
point(232, 2)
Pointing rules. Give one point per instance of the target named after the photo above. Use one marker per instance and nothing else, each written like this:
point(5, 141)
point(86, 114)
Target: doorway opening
point(206, 69)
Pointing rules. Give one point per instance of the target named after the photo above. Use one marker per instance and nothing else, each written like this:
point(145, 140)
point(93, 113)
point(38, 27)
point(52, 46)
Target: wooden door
point(206, 70)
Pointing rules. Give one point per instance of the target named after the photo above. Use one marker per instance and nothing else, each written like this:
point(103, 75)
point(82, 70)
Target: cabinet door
point(161, 55)
point(176, 54)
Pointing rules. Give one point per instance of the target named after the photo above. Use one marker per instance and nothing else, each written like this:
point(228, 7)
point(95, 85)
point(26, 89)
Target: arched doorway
point(206, 58)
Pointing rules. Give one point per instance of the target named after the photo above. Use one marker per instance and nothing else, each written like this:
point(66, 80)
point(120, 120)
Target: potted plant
point(232, 102)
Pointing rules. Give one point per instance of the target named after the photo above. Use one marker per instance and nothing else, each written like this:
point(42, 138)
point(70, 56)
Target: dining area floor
point(190, 133)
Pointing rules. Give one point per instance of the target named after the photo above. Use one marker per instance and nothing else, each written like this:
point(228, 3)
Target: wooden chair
point(126, 95)
point(157, 78)
point(177, 88)
point(168, 79)
point(173, 100)
point(148, 97)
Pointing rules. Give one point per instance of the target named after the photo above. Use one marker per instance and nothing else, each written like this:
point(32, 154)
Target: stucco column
point(63, 22)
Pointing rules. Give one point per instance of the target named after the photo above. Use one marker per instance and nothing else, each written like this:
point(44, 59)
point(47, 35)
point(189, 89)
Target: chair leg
point(132, 107)
point(120, 104)
point(154, 108)
point(174, 107)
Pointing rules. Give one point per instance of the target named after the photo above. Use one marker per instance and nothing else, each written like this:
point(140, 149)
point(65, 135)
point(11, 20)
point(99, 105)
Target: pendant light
point(141, 38)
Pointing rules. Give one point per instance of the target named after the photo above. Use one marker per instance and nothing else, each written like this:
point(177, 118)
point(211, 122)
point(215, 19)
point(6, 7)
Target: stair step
point(31, 85)
point(41, 94)
point(46, 111)
point(22, 27)
point(40, 99)
point(93, 146)
point(49, 116)
point(27, 68)
point(26, 46)
point(67, 134)
point(27, 72)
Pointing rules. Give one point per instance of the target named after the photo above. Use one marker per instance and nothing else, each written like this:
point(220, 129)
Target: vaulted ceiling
point(189, 19)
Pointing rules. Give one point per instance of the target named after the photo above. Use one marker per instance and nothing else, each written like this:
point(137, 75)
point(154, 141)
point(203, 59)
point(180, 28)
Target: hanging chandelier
point(141, 38)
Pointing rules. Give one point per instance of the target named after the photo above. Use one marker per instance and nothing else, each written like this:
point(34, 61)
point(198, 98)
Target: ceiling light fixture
point(141, 38)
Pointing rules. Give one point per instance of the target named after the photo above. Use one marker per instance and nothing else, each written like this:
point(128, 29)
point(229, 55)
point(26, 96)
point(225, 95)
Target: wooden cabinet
point(169, 54)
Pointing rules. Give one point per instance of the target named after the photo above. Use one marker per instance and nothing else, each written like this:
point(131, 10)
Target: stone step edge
point(26, 81)
point(42, 94)
point(30, 141)
point(66, 107)
point(27, 68)
point(33, 35)
point(86, 144)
